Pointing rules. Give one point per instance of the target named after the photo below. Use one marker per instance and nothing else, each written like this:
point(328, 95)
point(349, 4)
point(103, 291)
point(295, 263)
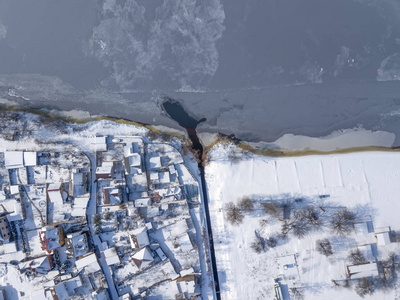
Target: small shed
point(383, 238)
point(364, 270)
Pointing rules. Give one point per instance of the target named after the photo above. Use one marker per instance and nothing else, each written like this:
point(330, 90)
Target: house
point(185, 243)
point(135, 160)
point(111, 196)
point(100, 143)
point(13, 159)
point(111, 256)
point(16, 215)
point(143, 258)
point(51, 238)
point(361, 271)
point(14, 189)
point(142, 202)
point(4, 228)
point(66, 289)
point(163, 177)
point(139, 238)
point(54, 193)
point(41, 265)
point(105, 172)
point(382, 238)
point(154, 176)
point(78, 184)
point(30, 159)
point(187, 288)
point(155, 163)
point(172, 170)
point(89, 262)
point(79, 207)
point(76, 244)
point(361, 228)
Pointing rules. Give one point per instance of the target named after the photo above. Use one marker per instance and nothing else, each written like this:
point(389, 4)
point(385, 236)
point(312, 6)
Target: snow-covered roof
point(361, 228)
point(172, 169)
point(89, 262)
point(55, 196)
point(111, 256)
point(17, 214)
point(79, 244)
point(155, 162)
point(67, 288)
point(154, 176)
point(77, 178)
point(14, 189)
point(184, 243)
point(30, 159)
point(52, 238)
point(100, 143)
point(164, 177)
point(13, 159)
point(143, 258)
point(81, 202)
point(40, 264)
point(139, 238)
point(104, 170)
point(142, 202)
point(134, 160)
point(383, 238)
point(364, 270)
point(54, 186)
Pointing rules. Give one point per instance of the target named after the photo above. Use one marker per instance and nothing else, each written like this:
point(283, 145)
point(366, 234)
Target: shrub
point(233, 214)
point(324, 247)
point(365, 287)
point(296, 293)
point(258, 245)
point(97, 219)
point(245, 204)
point(107, 216)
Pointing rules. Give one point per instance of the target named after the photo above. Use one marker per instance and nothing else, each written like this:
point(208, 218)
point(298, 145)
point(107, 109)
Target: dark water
point(176, 111)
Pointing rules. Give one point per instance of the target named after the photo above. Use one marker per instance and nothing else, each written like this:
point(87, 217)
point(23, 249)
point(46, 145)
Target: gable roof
point(142, 258)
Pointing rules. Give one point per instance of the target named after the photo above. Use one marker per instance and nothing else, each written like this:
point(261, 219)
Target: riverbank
point(344, 141)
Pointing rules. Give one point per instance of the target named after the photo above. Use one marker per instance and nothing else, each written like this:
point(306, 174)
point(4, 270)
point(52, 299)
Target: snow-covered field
point(367, 183)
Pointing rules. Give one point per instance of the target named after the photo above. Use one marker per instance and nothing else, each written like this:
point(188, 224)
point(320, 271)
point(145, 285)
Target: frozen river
point(254, 68)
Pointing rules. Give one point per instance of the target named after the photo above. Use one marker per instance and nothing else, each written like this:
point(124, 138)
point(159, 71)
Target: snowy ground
point(366, 183)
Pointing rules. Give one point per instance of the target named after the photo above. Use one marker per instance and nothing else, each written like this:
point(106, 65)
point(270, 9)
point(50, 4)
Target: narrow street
point(91, 210)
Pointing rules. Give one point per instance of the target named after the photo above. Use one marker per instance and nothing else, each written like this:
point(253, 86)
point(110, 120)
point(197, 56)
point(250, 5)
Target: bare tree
point(233, 214)
point(342, 222)
point(311, 216)
point(324, 247)
point(365, 287)
point(356, 257)
point(296, 293)
point(300, 229)
point(258, 244)
point(246, 205)
point(272, 209)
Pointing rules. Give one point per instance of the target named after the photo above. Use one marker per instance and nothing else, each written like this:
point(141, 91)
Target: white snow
point(366, 183)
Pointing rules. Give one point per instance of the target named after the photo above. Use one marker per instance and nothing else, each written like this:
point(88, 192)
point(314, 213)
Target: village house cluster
point(119, 221)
